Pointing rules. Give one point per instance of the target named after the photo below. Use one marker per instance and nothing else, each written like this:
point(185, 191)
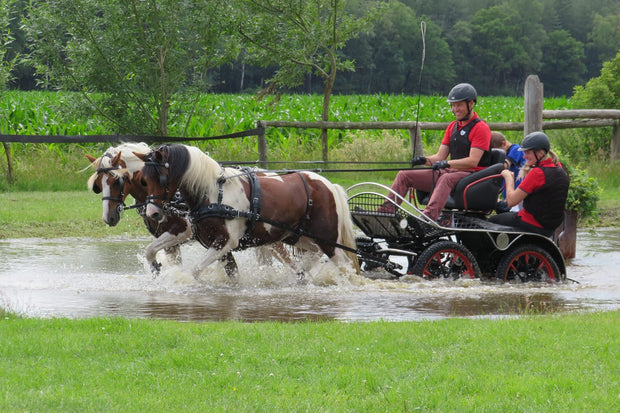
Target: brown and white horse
point(117, 176)
point(234, 209)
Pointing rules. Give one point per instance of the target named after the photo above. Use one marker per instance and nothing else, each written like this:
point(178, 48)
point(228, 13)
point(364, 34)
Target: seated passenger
point(467, 141)
point(514, 156)
point(514, 161)
point(543, 190)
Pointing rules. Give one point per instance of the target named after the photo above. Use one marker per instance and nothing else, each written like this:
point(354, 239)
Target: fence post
point(533, 95)
point(615, 143)
point(417, 148)
point(262, 145)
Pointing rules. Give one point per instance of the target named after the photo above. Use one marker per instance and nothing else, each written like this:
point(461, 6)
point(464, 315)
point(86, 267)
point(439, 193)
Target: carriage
point(239, 208)
point(464, 245)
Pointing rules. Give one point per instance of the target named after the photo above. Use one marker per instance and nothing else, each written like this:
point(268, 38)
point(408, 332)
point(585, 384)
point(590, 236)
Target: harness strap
point(205, 210)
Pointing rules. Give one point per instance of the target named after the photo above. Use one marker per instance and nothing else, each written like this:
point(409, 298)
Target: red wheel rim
point(530, 265)
point(444, 263)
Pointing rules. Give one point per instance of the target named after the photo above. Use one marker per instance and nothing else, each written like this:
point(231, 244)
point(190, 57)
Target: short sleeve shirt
point(532, 182)
point(479, 136)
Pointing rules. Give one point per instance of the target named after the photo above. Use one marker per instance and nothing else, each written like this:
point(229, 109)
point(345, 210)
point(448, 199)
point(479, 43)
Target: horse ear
point(91, 159)
point(116, 160)
point(142, 156)
point(157, 155)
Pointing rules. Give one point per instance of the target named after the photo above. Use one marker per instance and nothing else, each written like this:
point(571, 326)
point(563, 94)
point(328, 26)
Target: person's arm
point(467, 163)
point(513, 196)
point(442, 154)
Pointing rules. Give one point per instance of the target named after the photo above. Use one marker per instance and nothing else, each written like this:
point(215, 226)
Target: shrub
point(583, 192)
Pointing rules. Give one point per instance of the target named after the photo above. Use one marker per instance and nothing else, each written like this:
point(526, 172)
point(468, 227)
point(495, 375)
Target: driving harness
point(204, 209)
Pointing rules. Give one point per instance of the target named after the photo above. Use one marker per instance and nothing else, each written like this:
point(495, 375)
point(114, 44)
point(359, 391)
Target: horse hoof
point(301, 278)
point(156, 268)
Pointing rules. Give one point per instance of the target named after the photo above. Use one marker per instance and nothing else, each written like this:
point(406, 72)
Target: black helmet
point(535, 141)
point(461, 92)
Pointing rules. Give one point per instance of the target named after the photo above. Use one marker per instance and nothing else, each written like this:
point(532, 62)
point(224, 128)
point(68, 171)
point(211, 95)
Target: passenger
point(514, 162)
point(543, 190)
point(514, 157)
point(467, 141)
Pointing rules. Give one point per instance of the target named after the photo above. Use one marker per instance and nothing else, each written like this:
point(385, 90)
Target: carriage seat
point(478, 191)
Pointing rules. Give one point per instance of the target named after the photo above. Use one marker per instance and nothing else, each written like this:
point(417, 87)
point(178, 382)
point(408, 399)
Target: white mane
point(132, 162)
point(202, 172)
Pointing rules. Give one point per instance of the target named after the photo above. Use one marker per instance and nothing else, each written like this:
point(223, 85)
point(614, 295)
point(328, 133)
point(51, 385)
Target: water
point(82, 277)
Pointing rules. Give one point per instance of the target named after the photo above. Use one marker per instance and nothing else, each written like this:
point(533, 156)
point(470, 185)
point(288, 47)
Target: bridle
point(163, 181)
point(121, 180)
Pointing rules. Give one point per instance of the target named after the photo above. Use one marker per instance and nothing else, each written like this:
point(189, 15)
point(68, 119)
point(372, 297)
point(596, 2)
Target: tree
point(601, 92)
point(136, 55)
point(562, 63)
point(603, 41)
point(302, 37)
point(6, 65)
point(506, 45)
point(389, 58)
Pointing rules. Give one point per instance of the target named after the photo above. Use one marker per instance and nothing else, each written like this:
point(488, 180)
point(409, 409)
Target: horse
point(117, 176)
point(235, 209)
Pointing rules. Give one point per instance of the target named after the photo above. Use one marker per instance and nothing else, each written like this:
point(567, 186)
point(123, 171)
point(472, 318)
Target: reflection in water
point(81, 277)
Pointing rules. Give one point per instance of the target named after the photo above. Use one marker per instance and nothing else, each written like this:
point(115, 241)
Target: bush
point(583, 192)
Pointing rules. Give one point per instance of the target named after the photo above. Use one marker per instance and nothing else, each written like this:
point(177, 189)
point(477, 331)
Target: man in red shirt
point(467, 141)
point(543, 190)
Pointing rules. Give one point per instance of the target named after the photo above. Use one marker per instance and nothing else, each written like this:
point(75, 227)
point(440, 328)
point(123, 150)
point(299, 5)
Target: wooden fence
point(534, 120)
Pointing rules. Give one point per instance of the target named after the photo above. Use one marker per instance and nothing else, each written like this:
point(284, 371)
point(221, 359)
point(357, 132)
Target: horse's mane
point(132, 162)
point(201, 173)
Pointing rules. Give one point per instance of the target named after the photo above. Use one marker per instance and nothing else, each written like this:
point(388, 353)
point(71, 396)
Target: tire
point(446, 259)
point(528, 262)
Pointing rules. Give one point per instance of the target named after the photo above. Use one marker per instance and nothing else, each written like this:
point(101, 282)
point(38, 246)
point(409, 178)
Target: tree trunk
point(329, 86)
point(9, 163)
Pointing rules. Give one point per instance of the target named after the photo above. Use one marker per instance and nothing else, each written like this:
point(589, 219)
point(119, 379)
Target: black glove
point(441, 165)
point(502, 206)
point(418, 160)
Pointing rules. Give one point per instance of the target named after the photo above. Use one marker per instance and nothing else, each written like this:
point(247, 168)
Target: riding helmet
point(461, 92)
point(535, 141)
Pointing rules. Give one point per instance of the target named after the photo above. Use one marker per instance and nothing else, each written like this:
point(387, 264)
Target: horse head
point(116, 176)
point(155, 178)
point(109, 180)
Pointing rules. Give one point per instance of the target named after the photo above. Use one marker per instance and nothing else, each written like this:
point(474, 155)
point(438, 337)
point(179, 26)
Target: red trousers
point(444, 181)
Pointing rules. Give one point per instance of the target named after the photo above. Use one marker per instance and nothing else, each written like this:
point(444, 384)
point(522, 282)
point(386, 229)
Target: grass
point(536, 363)
point(60, 214)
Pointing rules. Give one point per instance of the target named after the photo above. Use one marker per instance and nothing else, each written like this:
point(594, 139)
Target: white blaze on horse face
point(105, 192)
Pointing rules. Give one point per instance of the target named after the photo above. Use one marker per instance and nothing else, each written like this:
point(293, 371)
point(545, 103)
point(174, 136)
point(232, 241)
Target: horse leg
point(166, 241)
point(230, 265)
point(174, 254)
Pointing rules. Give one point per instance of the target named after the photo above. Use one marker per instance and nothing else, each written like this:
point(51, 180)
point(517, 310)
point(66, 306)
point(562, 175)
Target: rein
point(220, 210)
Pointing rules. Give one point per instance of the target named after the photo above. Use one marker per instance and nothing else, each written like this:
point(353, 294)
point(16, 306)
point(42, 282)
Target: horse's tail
point(345, 224)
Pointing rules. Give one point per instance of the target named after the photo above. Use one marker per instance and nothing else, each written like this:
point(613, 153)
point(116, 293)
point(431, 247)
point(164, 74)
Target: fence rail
point(533, 120)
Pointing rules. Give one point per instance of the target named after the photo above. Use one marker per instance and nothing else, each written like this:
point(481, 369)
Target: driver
point(467, 140)
point(543, 190)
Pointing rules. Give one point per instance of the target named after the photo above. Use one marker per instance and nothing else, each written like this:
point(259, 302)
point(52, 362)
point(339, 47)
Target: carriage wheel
point(528, 263)
point(446, 259)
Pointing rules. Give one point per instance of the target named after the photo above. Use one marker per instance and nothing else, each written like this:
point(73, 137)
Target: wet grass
point(547, 363)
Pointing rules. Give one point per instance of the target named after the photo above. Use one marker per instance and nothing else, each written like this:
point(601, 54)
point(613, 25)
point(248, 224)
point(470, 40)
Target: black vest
point(460, 144)
point(547, 204)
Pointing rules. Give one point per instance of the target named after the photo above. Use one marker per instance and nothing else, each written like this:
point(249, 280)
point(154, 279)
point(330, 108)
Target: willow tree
point(130, 59)
point(304, 37)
